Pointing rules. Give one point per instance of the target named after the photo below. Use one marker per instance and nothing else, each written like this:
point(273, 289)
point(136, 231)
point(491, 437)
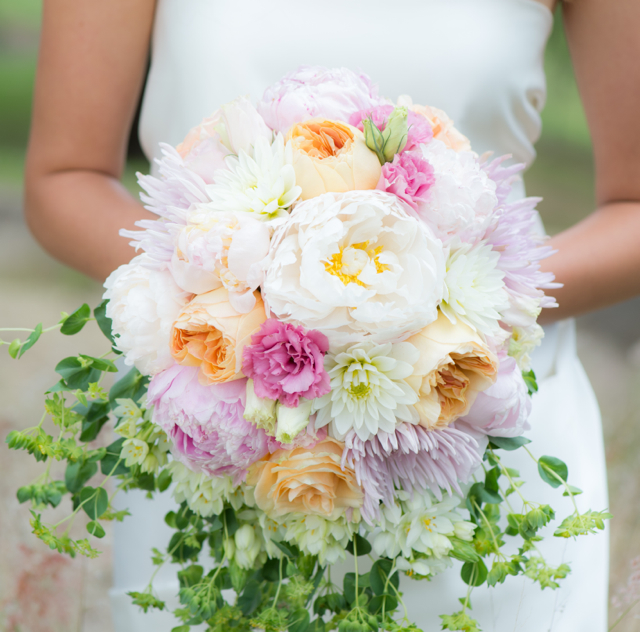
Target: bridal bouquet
point(329, 326)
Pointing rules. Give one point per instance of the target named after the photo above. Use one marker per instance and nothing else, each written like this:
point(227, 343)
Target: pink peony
point(315, 91)
point(409, 177)
point(503, 409)
point(419, 129)
point(286, 362)
point(205, 423)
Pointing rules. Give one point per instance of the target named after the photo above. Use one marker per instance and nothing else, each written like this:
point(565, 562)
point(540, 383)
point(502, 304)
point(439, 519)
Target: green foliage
point(529, 378)
point(582, 524)
point(552, 470)
point(459, 621)
point(75, 322)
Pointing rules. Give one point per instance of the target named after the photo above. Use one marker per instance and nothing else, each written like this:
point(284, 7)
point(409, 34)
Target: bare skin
point(90, 71)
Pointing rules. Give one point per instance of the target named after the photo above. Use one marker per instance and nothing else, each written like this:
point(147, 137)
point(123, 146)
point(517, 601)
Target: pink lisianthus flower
point(205, 423)
point(419, 129)
point(409, 177)
point(503, 409)
point(287, 363)
point(315, 91)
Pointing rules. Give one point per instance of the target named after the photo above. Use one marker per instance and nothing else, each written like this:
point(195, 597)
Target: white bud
point(292, 421)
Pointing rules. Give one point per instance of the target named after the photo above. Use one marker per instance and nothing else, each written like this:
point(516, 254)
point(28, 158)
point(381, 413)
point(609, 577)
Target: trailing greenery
point(289, 590)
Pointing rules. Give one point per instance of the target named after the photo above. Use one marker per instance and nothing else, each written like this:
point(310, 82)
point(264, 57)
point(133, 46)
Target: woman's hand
point(598, 260)
point(91, 67)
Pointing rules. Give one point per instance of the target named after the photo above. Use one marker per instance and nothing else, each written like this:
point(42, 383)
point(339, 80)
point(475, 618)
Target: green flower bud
point(396, 132)
point(374, 139)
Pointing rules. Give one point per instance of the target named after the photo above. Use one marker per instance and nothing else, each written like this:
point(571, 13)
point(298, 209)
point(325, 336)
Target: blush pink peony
point(315, 91)
point(205, 423)
point(286, 362)
point(503, 409)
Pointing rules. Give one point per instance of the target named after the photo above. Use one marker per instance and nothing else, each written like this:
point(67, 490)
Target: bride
point(482, 62)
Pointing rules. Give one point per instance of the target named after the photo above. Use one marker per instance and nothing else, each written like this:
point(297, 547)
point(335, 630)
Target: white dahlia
point(368, 390)
point(474, 291)
point(144, 302)
point(462, 196)
point(263, 183)
point(355, 266)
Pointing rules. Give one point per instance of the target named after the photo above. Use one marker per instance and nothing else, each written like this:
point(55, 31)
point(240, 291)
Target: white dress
point(482, 62)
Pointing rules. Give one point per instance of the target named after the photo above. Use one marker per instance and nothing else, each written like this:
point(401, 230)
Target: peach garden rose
point(455, 365)
point(211, 334)
point(306, 481)
point(331, 157)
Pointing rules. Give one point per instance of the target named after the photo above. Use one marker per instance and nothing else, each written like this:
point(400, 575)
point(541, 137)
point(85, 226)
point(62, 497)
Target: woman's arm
point(90, 71)
point(598, 260)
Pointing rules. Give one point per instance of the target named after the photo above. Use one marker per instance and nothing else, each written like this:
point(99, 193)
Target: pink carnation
point(286, 362)
point(205, 423)
point(315, 91)
point(503, 409)
point(419, 129)
point(409, 177)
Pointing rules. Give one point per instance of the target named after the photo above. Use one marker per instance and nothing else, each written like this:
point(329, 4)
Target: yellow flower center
point(360, 391)
point(351, 261)
point(427, 523)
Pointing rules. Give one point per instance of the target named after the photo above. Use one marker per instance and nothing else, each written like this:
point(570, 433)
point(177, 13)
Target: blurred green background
point(33, 287)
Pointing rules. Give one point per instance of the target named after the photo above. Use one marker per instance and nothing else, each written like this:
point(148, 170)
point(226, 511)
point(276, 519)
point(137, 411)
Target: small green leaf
point(31, 340)
point(508, 443)
point(100, 363)
point(529, 378)
point(112, 456)
point(547, 465)
point(164, 480)
point(132, 386)
point(298, 620)
point(57, 388)
point(181, 628)
point(285, 549)
point(378, 576)
point(95, 501)
point(474, 573)
point(575, 491)
point(95, 529)
point(77, 474)
point(14, 347)
point(250, 598)
point(363, 546)
point(75, 322)
point(104, 322)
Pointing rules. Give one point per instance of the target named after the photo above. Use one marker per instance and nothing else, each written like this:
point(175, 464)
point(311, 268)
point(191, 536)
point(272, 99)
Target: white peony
point(221, 249)
point(262, 182)
point(368, 390)
point(462, 196)
point(143, 305)
point(355, 266)
point(474, 291)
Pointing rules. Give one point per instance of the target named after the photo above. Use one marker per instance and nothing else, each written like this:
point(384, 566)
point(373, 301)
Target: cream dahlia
point(368, 389)
point(263, 183)
point(474, 291)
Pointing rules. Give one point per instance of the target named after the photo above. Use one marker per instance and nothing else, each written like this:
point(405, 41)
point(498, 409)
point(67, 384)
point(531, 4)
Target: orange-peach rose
point(455, 365)
point(330, 156)
point(210, 334)
point(441, 124)
point(307, 481)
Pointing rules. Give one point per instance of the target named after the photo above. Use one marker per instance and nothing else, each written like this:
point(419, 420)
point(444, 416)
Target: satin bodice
point(479, 60)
